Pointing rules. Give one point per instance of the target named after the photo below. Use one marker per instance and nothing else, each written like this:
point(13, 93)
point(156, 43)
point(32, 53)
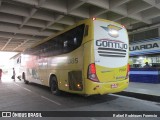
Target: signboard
point(145, 47)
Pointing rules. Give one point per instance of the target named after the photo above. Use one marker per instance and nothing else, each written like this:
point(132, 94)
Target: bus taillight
point(128, 69)
point(92, 73)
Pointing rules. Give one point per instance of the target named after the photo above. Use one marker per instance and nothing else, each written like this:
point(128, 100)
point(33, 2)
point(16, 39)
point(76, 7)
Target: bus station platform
point(145, 91)
point(144, 88)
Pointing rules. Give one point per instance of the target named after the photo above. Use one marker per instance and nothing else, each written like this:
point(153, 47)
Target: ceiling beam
point(151, 2)
point(6, 43)
point(20, 45)
point(151, 13)
point(97, 12)
point(0, 2)
point(14, 10)
point(116, 3)
point(41, 2)
point(25, 30)
point(32, 12)
point(20, 36)
point(59, 6)
point(154, 3)
point(66, 20)
point(137, 6)
point(118, 19)
point(139, 17)
point(27, 2)
point(99, 3)
point(10, 18)
point(57, 18)
point(74, 4)
point(82, 12)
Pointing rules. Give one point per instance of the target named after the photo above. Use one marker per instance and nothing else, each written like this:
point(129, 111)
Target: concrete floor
point(17, 96)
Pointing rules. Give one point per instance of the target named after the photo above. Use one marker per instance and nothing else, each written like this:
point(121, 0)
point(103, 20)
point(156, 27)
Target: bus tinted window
point(60, 44)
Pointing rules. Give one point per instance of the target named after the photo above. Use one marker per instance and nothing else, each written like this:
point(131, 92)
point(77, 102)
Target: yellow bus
point(90, 57)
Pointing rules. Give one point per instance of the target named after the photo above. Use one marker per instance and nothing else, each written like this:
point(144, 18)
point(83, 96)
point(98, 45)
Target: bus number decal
point(73, 61)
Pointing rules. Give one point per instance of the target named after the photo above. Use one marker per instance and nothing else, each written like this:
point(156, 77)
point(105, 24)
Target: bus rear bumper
point(105, 88)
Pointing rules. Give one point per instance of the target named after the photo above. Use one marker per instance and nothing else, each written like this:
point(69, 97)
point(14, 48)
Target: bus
point(90, 57)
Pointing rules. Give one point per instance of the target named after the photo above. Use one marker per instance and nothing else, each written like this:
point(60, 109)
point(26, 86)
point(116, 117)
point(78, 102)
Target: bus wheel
point(54, 86)
point(24, 78)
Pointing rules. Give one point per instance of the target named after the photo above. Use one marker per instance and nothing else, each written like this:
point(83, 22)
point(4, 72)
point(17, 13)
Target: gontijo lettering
point(111, 44)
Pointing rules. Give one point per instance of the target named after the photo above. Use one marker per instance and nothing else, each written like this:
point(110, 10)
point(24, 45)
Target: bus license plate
point(114, 85)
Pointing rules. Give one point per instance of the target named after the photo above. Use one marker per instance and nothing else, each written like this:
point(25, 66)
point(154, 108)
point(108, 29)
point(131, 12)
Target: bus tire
point(54, 86)
point(24, 78)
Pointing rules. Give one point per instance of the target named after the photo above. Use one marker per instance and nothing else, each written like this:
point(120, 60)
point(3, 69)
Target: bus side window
point(61, 44)
point(75, 37)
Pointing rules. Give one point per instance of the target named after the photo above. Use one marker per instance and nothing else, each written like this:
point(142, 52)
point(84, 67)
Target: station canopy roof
point(25, 22)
